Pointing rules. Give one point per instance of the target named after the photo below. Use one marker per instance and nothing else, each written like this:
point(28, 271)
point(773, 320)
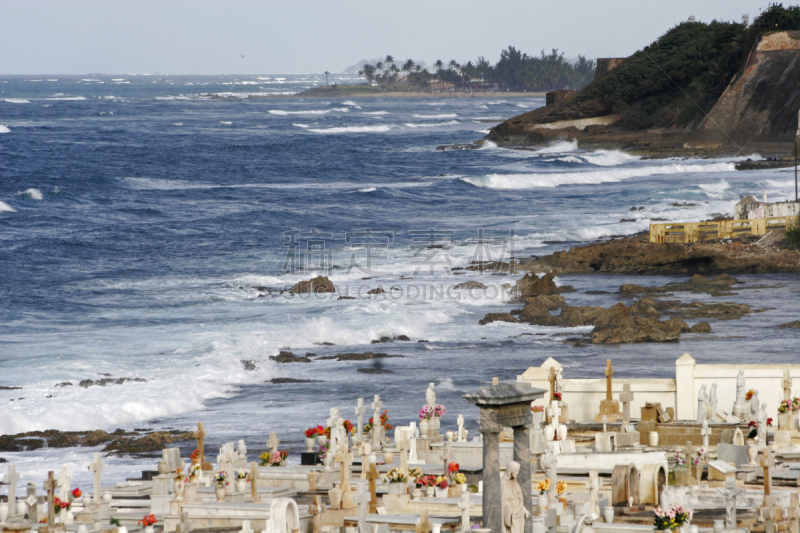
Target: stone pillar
point(522, 455)
point(492, 501)
point(685, 393)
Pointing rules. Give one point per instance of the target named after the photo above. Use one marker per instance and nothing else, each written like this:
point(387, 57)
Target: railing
point(679, 232)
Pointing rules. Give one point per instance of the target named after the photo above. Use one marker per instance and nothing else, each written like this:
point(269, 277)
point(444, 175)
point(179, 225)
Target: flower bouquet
point(195, 456)
point(148, 520)
point(672, 518)
point(59, 504)
point(785, 406)
point(240, 474)
point(538, 408)
point(395, 475)
point(543, 486)
point(426, 413)
point(415, 473)
point(438, 410)
point(277, 458)
point(561, 486)
point(221, 478)
point(441, 485)
point(263, 459)
point(459, 478)
point(76, 493)
point(749, 395)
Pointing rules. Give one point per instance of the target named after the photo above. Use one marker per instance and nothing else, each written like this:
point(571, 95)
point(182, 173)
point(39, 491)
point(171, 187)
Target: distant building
point(606, 65)
point(749, 208)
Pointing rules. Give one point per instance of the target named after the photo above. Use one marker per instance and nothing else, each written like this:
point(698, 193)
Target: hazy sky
point(294, 36)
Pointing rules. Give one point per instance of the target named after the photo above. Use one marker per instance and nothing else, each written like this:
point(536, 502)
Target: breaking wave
point(441, 115)
point(16, 100)
point(5, 208)
point(32, 193)
point(352, 129)
point(281, 112)
point(4, 129)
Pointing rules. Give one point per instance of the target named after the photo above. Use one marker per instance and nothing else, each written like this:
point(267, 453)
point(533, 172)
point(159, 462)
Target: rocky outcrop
point(86, 383)
point(498, 317)
point(358, 356)
point(793, 325)
point(532, 285)
point(320, 284)
point(374, 371)
point(289, 357)
point(718, 286)
point(282, 381)
point(118, 442)
point(720, 311)
point(701, 327)
point(470, 285)
point(153, 442)
point(401, 338)
point(634, 255)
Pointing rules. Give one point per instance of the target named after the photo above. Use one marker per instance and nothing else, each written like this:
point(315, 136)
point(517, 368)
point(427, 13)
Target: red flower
point(195, 454)
point(77, 493)
point(752, 424)
point(148, 520)
point(769, 422)
point(311, 432)
point(557, 396)
point(452, 467)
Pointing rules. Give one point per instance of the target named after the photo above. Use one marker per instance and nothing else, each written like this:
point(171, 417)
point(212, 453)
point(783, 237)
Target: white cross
point(362, 499)
point(254, 482)
point(64, 479)
point(273, 442)
point(376, 422)
point(464, 505)
point(97, 466)
point(11, 478)
point(626, 398)
point(360, 410)
point(555, 412)
point(551, 520)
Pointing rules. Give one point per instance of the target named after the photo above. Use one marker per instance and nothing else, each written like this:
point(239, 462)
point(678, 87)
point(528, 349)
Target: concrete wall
point(580, 123)
point(583, 396)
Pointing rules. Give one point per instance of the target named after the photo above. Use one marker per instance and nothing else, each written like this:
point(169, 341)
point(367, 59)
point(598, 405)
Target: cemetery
point(717, 448)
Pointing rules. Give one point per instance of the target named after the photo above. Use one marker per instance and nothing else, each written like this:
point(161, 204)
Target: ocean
point(150, 232)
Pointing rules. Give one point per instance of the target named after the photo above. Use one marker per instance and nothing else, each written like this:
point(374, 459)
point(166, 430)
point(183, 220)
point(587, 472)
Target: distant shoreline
point(389, 94)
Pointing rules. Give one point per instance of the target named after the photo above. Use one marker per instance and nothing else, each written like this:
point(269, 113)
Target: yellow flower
point(544, 485)
point(561, 486)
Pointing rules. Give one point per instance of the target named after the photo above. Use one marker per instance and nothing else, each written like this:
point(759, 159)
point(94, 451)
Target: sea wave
point(67, 98)
point(375, 113)
point(32, 193)
point(543, 180)
point(431, 124)
point(4, 129)
point(352, 129)
point(440, 115)
point(282, 112)
point(16, 100)
point(5, 208)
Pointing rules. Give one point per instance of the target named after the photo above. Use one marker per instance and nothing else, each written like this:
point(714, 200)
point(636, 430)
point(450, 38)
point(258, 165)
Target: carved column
point(492, 499)
point(522, 455)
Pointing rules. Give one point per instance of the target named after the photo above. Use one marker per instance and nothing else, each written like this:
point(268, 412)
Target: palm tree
point(408, 66)
point(390, 60)
point(369, 72)
point(326, 77)
point(438, 64)
point(453, 64)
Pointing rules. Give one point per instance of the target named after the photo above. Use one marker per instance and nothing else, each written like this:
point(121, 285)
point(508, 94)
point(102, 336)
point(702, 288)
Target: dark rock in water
point(794, 325)
point(701, 327)
point(346, 298)
point(310, 354)
point(108, 381)
point(280, 381)
point(324, 344)
point(469, 285)
point(423, 340)
point(3, 460)
point(492, 266)
point(358, 356)
point(532, 285)
point(64, 384)
point(149, 443)
point(320, 284)
point(498, 317)
point(249, 364)
point(289, 357)
point(3, 387)
point(95, 438)
point(375, 371)
point(771, 162)
point(404, 338)
point(720, 311)
point(448, 147)
point(377, 290)
point(627, 220)
point(390, 339)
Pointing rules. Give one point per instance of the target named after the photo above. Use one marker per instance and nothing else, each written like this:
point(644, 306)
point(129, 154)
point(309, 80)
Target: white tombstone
point(284, 515)
point(464, 505)
point(360, 410)
point(97, 467)
point(376, 422)
point(246, 527)
point(705, 432)
point(462, 436)
point(11, 479)
point(362, 499)
point(64, 480)
point(273, 442)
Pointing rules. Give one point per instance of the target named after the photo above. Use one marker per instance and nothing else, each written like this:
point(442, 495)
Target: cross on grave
point(768, 514)
point(97, 467)
point(551, 520)
point(372, 476)
point(316, 511)
point(767, 462)
point(362, 451)
point(626, 398)
point(730, 492)
point(273, 442)
point(464, 505)
point(609, 373)
point(786, 383)
point(344, 458)
point(377, 404)
point(254, 482)
point(423, 525)
point(64, 478)
point(11, 478)
point(200, 435)
point(362, 499)
point(446, 458)
point(552, 379)
point(360, 410)
point(705, 432)
point(50, 487)
point(594, 492)
point(33, 502)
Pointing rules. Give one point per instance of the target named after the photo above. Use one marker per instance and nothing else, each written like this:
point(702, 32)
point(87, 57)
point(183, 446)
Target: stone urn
point(180, 488)
point(241, 484)
point(752, 452)
point(430, 492)
point(327, 461)
point(355, 439)
point(608, 514)
point(440, 492)
point(541, 504)
point(423, 427)
point(562, 432)
point(149, 529)
point(416, 494)
point(219, 490)
point(783, 420)
point(654, 438)
point(191, 491)
point(310, 444)
point(398, 488)
point(388, 457)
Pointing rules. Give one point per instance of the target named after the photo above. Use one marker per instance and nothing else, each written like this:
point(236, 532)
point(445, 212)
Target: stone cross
point(423, 524)
point(254, 482)
point(552, 379)
point(555, 413)
point(97, 467)
point(688, 452)
point(464, 505)
point(551, 520)
point(343, 458)
point(594, 492)
point(446, 459)
point(316, 511)
point(360, 410)
point(609, 373)
point(11, 480)
point(786, 383)
point(362, 499)
point(460, 422)
point(626, 398)
point(551, 471)
point(362, 451)
point(50, 486)
point(705, 432)
point(768, 514)
point(372, 476)
point(377, 404)
point(64, 479)
point(273, 442)
point(200, 435)
point(768, 463)
point(730, 492)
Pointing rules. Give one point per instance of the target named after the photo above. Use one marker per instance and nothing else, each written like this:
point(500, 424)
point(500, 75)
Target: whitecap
point(4, 129)
point(16, 100)
point(32, 193)
point(433, 124)
point(309, 111)
point(375, 113)
point(353, 129)
point(351, 104)
point(5, 208)
point(68, 98)
point(297, 125)
point(440, 115)
point(367, 189)
point(177, 123)
point(226, 122)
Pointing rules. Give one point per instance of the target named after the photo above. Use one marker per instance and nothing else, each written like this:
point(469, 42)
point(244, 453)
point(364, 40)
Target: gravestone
point(625, 486)
point(720, 471)
point(464, 506)
point(64, 479)
point(360, 410)
point(97, 467)
point(608, 407)
point(274, 442)
point(200, 435)
point(50, 487)
point(730, 492)
point(11, 479)
point(362, 500)
point(377, 404)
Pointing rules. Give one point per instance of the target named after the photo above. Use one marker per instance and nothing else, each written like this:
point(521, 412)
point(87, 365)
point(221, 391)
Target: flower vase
point(423, 427)
point(538, 418)
point(149, 529)
point(388, 457)
point(220, 492)
point(191, 491)
point(416, 494)
point(608, 514)
point(310, 444)
point(562, 432)
point(60, 516)
point(180, 489)
point(327, 460)
point(680, 476)
point(322, 439)
point(752, 452)
point(463, 487)
point(398, 488)
point(653, 438)
point(440, 492)
point(783, 420)
point(549, 433)
point(22, 508)
point(541, 503)
point(430, 492)
point(355, 439)
point(241, 485)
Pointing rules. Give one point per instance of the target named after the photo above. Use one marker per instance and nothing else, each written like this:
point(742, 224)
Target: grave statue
point(514, 512)
point(430, 395)
point(762, 423)
point(559, 381)
point(740, 387)
point(702, 403)
point(754, 403)
point(712, 402)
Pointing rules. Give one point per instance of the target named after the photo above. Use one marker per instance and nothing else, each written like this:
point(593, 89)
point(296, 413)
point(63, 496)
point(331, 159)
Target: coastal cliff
point(700, 88)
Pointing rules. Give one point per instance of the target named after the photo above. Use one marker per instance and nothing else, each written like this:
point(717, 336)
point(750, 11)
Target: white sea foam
point(375, 113)
point(5, 208)
point(608, 158)
point(559, 147)
point(546, 179)
point(715, 190)
point(440, 115)
point(352, 129)
point(68, 98)
point(367, 189)
point(432, 124)
point(16, 100)
point(226, 122)
point(4, 129)
point(32, 193)
point(351, 104)
point(297, 125)
point(177, 123)
point(309, 111)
